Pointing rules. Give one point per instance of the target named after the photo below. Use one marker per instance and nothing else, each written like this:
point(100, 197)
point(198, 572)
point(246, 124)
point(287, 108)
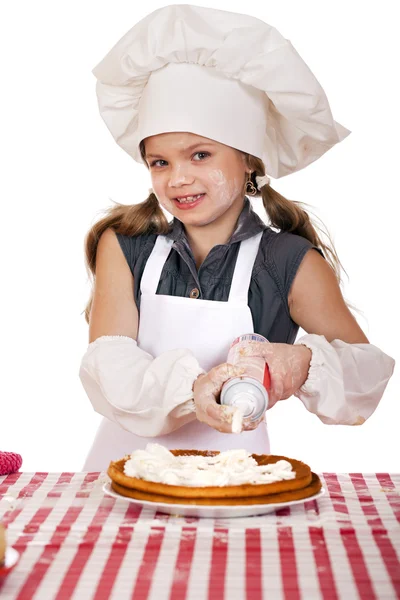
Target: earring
point(252, 190)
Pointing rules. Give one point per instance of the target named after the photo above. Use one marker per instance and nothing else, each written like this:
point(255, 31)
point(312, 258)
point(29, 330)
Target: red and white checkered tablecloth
point(76, 542)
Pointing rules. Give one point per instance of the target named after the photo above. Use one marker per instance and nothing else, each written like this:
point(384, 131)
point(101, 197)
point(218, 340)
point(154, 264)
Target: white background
point(61, 168)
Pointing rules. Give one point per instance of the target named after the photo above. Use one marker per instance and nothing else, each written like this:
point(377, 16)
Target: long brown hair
point(148, 217)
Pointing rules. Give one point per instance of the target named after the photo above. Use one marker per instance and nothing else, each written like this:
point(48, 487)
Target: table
point(76, 542)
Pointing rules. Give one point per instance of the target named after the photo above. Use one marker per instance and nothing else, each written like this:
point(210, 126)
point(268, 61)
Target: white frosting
point(232, 467)
point(237, 421)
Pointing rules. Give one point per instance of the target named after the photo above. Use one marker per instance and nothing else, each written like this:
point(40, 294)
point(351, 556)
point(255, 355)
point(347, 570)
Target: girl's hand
point(206, 389)
point(288, 366)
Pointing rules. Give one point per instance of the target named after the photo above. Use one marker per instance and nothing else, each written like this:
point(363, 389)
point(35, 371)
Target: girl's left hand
point(288, 366)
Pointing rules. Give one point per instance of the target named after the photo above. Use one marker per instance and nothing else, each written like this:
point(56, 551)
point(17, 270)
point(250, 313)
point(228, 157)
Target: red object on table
point(10, 462)
point(75, 540)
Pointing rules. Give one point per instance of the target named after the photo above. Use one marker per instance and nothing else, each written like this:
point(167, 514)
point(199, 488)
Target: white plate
point(11, 559)
point(191, 510)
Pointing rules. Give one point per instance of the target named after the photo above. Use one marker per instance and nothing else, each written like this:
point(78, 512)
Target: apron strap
point(154, 265)
point(243, 269)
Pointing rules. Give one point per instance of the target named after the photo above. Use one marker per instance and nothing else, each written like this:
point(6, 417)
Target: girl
point(208, 100)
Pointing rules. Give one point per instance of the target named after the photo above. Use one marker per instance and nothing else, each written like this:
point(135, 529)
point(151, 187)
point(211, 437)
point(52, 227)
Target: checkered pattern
point(76, 542)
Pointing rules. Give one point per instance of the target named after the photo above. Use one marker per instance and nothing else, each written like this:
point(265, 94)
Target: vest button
point(194, 293)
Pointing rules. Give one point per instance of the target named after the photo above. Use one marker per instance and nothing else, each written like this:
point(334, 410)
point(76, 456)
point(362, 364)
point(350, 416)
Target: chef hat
point(225, 76)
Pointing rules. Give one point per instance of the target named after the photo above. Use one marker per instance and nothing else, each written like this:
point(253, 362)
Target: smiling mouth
point(189, 199)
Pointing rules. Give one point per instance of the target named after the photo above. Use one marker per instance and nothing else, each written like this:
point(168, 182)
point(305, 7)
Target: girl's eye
point(160, 159)
point(207, 153)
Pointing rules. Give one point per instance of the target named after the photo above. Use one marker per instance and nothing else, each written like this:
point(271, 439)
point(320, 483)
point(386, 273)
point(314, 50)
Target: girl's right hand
point(206, 389)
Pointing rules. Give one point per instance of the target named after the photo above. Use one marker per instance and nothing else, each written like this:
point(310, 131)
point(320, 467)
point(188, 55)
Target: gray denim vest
point(275, 267)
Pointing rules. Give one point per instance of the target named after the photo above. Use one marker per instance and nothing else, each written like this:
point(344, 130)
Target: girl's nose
point(178, 177)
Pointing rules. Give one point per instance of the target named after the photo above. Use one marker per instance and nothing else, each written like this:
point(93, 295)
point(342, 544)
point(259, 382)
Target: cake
point(211, 477)
point(2, 545)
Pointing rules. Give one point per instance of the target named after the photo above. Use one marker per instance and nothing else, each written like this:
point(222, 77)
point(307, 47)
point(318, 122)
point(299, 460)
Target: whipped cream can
point(250, 391)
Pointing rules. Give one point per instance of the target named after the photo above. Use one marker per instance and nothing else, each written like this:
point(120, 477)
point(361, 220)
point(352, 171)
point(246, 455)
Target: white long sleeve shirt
point(153, 396)
point(345, 382)
point(147, 396)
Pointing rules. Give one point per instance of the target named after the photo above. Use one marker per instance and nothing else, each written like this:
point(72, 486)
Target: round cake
point(289, 479)
point(2, 545)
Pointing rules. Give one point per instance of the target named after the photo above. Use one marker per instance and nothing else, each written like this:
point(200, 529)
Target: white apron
point(207, 328)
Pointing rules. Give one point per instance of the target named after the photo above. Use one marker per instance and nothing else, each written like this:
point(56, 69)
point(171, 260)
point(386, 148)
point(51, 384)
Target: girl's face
point(183, 164)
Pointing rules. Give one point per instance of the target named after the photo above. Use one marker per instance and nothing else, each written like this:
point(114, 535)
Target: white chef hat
point(225, 76)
